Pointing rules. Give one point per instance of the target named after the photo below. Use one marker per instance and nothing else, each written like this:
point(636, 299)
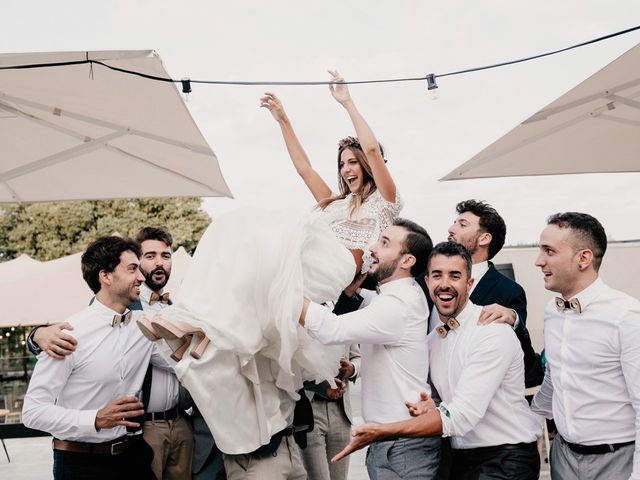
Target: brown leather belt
point(114, 447)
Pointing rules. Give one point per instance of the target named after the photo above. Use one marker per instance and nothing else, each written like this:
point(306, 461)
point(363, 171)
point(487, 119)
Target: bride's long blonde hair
point(368, 183)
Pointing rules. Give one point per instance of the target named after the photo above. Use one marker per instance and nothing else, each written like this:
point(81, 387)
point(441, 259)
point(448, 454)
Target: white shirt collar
point(105, 311)
point(466, 314)
point(392, 285)
point(145, 293)
point(589, 294)
point(478, 270)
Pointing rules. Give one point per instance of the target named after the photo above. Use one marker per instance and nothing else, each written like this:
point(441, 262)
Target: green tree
point(51, 230)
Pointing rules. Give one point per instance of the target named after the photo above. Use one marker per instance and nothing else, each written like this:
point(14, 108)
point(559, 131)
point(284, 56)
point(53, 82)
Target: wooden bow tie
point(164, 298)
point(444, 329)
point(118, 320)
point(573, 304)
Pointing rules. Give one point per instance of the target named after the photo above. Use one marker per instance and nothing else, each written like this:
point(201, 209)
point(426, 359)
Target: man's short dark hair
point(451, 249)
point(490, 222)
point(418, 243)
point(104, 254)
point(155, 233)
point(589, 232)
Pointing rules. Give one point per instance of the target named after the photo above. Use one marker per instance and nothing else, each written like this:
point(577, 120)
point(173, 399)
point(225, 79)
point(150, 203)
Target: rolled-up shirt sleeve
point(483, 374)
point(542, 401)
point(40, 410)
point(379, 323)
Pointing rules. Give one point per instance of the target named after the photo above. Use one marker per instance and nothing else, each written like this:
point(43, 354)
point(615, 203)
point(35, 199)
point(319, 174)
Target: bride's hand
point(274, 105)
point(340, 91)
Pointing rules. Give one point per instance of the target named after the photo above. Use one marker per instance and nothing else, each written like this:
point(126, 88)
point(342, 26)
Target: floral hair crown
point(354, 142)
point(349, 142)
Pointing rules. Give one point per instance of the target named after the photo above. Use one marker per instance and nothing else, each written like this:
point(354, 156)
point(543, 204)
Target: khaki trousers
point(172, 444)
point(286, 464)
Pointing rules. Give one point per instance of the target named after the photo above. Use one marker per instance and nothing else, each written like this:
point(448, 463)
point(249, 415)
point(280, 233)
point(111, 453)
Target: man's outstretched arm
point(426, 425)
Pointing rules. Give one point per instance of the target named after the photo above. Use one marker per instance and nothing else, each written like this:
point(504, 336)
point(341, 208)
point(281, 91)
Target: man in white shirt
point(391, 330)
point(592, 342)
point(166, 429)
point(89, 398)
point(478, 371)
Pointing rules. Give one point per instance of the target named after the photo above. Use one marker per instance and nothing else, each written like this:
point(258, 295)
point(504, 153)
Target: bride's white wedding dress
point(244, 287)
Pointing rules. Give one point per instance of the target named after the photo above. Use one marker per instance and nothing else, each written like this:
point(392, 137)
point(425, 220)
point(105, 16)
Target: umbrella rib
point(60, 156)
point(104, 123)
point(548, 112)
point(28, 116)
point(624, 121)
point(625, 101)
point(13, 193)
point(159, 167)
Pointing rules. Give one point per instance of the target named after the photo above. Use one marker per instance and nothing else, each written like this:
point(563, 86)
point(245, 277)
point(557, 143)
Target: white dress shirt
point(165, 384)
point(109, 362)
point(592, 382)
point(479, 374)
point(391, 330)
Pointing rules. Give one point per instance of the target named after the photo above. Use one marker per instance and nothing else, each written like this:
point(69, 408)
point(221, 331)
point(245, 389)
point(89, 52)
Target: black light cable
point(430, 78)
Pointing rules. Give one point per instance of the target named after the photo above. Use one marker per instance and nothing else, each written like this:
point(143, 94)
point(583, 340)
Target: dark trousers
point(502, 462)
point(133, 464)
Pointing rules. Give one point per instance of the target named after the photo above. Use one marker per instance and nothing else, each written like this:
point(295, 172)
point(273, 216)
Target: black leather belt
point(496, 449)
point(596, 449)
point(170, 414)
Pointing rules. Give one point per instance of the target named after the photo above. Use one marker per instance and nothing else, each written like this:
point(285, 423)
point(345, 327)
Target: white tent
point(49, 292)
point(84, 131)
point(593, 128)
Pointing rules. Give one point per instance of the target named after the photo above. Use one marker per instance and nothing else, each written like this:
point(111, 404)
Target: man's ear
point(104, 277)
point(408, 261)
point(585, 259)
point(470, 282)
point(485, 239)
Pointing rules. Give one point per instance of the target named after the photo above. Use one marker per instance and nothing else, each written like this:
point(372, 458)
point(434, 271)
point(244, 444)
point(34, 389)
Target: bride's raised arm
point(318, 187)
point(370, 146)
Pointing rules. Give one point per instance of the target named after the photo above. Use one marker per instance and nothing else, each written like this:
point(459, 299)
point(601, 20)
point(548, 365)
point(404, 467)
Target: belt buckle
point(120, 449)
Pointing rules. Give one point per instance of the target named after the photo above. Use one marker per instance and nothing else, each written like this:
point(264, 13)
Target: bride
point(251, 270)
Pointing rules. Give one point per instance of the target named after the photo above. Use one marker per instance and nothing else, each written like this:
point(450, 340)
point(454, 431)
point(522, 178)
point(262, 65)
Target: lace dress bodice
point(363, 227)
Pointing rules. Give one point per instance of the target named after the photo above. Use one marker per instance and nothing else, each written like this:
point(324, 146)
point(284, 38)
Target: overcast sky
point(424, 139)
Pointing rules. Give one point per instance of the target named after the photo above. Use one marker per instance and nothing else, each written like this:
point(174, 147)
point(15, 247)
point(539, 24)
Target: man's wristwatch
point(31, 344)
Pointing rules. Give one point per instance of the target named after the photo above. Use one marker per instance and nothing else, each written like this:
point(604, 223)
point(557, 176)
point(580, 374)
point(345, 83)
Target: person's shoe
point(144, 324)
point(180, 330)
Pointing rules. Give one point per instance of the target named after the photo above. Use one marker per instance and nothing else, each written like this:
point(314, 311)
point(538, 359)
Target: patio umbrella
point(84, 131)
point(593, 128)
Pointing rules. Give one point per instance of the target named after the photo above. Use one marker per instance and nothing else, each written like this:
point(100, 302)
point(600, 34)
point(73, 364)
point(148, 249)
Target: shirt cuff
point(445, 417)
point(313, 319)
point(87, 421)
point(517, 322)
point(355, 372)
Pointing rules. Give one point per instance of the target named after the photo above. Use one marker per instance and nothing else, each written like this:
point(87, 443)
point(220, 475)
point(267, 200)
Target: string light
point(430, 78)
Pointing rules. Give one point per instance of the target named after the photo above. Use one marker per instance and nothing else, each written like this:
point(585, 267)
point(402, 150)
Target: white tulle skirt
point(245, 288)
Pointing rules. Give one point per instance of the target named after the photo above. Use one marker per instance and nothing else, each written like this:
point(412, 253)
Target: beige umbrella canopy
point(84, 131)
point(50, 292)
point(594, 128)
